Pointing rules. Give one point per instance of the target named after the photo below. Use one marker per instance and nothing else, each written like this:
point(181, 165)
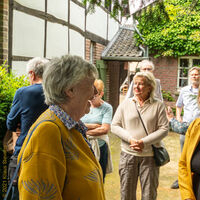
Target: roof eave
point(123, 58)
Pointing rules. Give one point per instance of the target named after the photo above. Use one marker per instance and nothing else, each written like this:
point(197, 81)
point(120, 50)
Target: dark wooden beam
point(68, 31)
point(51, 18)
point(45, 32)
point(21, 58)
point(78, 3)
point(96, 38)
point(10, 33)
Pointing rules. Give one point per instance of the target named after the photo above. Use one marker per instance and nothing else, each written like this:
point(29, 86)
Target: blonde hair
point(99, 84)
point(194, 68)
point(149, 79)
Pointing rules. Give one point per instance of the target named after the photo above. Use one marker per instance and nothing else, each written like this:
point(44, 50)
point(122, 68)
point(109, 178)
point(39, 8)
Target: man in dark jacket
point(27, 106)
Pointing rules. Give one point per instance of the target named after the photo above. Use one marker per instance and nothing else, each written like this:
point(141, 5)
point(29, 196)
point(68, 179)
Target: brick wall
point(98, 51)
point(166, 69)
point(4, 7)
point(87, 50)
point(98, 48)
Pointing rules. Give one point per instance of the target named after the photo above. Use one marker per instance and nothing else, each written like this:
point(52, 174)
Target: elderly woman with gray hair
point(147, 66)
point(57, 160)
point(136, 159)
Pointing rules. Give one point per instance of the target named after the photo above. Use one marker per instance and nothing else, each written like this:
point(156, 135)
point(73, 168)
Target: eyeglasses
point(95, 90)
point(194, 74)
point(96, 95)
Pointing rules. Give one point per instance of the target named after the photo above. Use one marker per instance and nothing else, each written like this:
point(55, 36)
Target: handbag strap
point(141, 119)
point(19, 164)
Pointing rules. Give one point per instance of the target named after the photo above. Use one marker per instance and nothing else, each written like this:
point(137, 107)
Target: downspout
point(146, 50)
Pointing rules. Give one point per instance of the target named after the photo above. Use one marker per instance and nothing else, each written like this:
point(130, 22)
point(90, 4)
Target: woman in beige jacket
point(136, 159)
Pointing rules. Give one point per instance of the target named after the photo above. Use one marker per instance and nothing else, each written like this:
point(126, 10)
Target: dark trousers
point(196, 186)
point(104, 159)
point(11, 169)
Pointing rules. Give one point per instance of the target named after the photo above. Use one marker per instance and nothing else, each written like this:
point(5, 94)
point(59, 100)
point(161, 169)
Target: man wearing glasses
point(187, 101)
point(145, 66)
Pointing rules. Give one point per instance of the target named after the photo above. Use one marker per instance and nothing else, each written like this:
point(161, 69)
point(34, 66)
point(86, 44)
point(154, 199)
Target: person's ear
point(33, 76)
point(150, 88)
point(70, 92)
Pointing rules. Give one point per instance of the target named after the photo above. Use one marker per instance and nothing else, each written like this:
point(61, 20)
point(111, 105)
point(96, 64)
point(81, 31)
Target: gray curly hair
point(63, 73)
point(36, 65)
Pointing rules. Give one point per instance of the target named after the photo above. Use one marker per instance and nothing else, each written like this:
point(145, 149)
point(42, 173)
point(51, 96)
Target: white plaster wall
point(77, 44)
point(28, 35)
point(35, 4)
point(57, 40)
point(97, 22)
point(77, 15)
point(58, 8)
point(113, 27)
point(19, 67)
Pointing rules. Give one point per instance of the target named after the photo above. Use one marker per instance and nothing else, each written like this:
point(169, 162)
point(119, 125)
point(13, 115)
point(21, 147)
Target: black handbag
point(161, 155)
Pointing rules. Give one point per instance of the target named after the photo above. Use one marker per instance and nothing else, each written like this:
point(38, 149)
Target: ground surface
point(168, 173)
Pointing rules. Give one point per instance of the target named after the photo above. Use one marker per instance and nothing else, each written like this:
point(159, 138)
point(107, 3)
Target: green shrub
point(9, 83)
point(167, 96)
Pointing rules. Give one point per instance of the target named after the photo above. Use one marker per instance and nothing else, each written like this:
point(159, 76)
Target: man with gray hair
point(28, 104)
point(187, 101)
point(146, 66)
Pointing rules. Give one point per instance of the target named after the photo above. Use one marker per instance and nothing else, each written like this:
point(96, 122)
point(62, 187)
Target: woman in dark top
point(195, 168)
point(189, 165)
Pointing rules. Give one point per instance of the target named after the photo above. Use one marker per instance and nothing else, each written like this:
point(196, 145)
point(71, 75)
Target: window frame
point(190, 59)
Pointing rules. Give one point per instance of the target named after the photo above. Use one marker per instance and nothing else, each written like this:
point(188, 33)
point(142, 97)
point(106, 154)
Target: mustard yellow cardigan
point(192, 139)
point(58, 164)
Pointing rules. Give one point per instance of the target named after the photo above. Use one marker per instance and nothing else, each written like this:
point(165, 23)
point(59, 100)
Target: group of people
point(61, 157)
point(64, 145)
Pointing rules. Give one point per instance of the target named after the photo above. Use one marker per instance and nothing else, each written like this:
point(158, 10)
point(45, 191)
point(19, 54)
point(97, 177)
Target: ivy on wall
point(171, 28)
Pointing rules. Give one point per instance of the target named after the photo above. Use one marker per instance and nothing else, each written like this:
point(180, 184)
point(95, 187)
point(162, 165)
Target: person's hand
point(179, 118)
point(169, 112)
point(93, 126)
point(18, 130)
point(137, 145)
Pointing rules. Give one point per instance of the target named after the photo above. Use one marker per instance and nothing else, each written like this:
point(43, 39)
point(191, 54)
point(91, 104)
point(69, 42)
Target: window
point(185, 64)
